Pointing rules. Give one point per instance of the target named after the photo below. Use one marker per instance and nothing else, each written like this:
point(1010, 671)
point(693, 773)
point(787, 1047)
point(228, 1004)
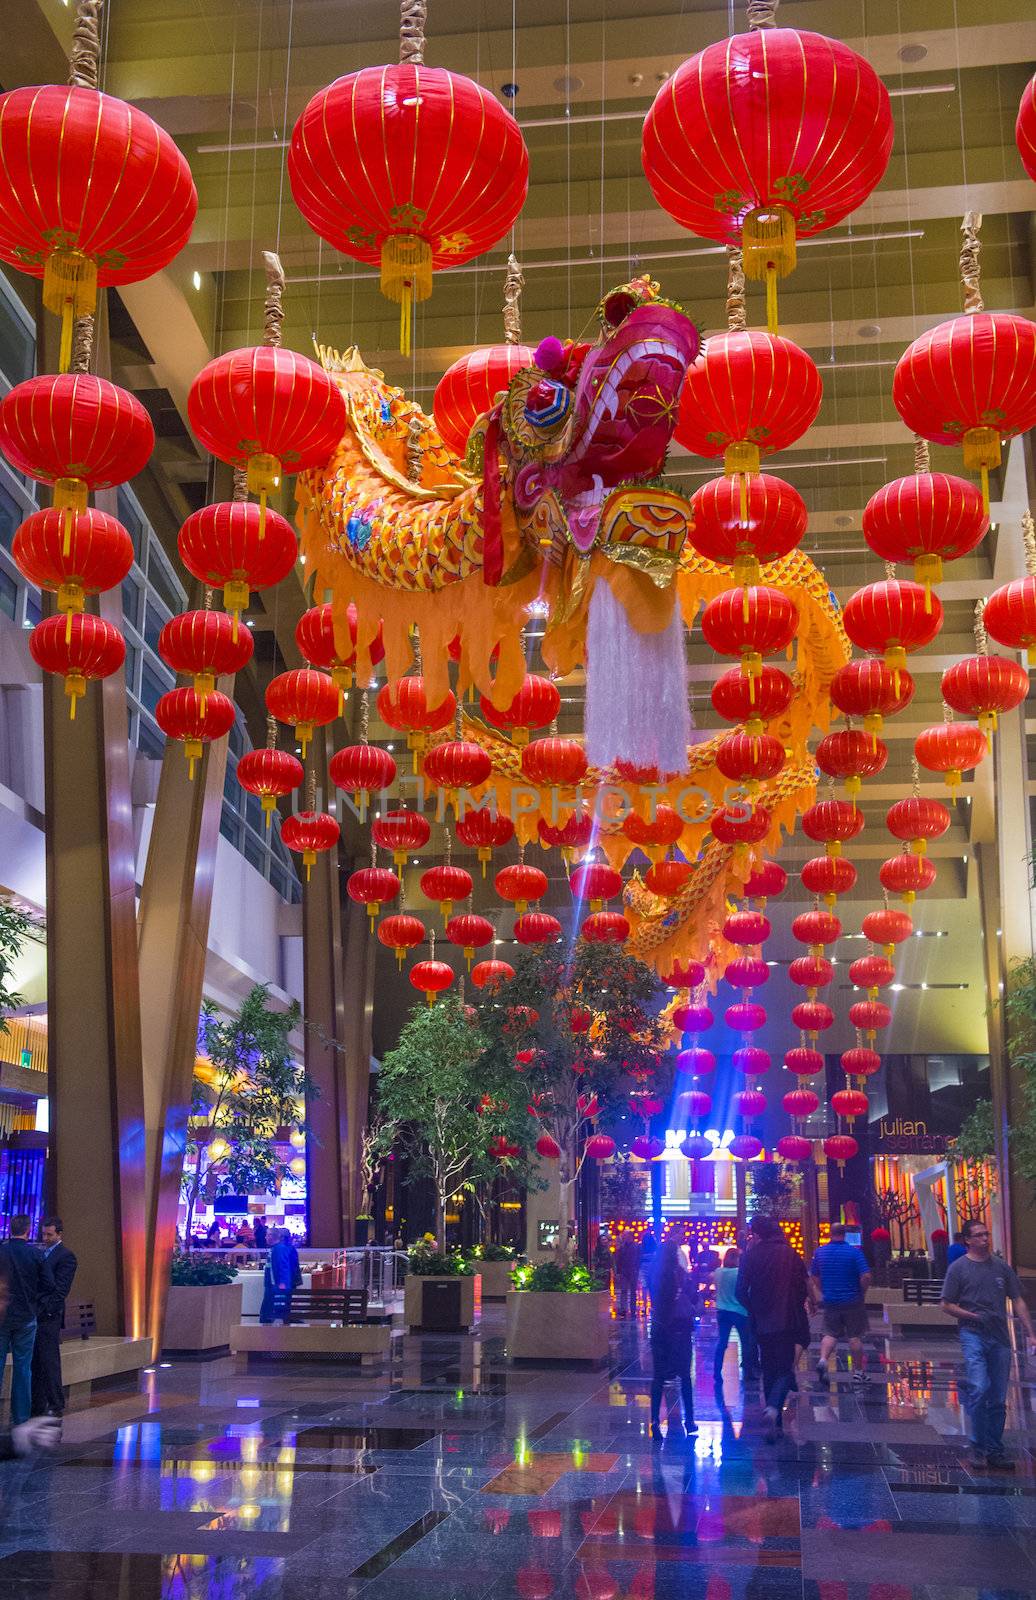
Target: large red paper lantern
point(764, 881)
point(491, 974)
point(401, 933)
point(1025, 129)
point(803, 1062)
point(596, 883)
point(917, 819)
point(832, 823)
point(756, 700)
point(457, 764)
point(859, 1062)
point(749, 1102)
point(362, 770)
point(468, 388)
point(793, 1147)
point(745, 1147)
point(697, 1103)
point(470, 932)
point(599, 1147)
point(521, 884)
point(749, 758)
point(764, 137)
point(269, 774)
point(93, 192)
point(410, 168)
point(800, 1102)
point(554, 761)
point(537, 927)
point(951, 748)
point(203, 645)
point(73, 554)
point(812, 1017)
point(869, 689)
point(887, 927)
point(746, 972)
point(811, 973)
point(740, 827)
point(446, 884)
point(744, 1016)
point(984, 686)
point(77, 648)
point(892, 618)
point(685, 975)
point(1009, 616)
point(315, 637)
point(907, 875)
point(872, 973)
point(774, 525)
point(852, 755)
point(404, 705)
point(816, 928)
point(484, 830)
point(194, 719)
point(268, 410)
point(431, 978)
point(869, 1016)
point(535, 705)
point(747, 394)
point(605, 927)
point(75, 432)
point(573, 835)
point(927, 518)
point(751, 623)
point(752, 1060)
point(372, 887)
point(970, 381)
point(692, 1018)
point(667, 878)
point(828, 876)
point(401, 831)
point(746, 927)
point(656, 832)
point(696, 1062)
point(305, 698)
point(840, 1147)
point(222, 547)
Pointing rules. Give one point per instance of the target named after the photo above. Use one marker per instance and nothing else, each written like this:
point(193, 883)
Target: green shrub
point(550, 1278)
point(495, 1252)
point(197, 1271)
point(436, 1264)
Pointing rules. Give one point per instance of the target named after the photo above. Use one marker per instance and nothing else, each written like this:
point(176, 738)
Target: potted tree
point(246, 1096)
point(557, 1313)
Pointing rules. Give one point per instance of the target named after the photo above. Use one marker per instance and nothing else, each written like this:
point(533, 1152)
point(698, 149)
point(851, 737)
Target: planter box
point(451, 1306)
point(557, 1327)
point(199, 1321)
point(496, 1279)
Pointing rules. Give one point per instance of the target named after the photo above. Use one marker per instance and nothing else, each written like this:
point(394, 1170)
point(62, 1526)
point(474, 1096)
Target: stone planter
point(557, 1327)
point(451, 1304)
point(199, 1319)
point(496, 1279)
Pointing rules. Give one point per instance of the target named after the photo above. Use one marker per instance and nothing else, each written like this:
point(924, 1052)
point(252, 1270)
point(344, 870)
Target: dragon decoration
point(560, 510)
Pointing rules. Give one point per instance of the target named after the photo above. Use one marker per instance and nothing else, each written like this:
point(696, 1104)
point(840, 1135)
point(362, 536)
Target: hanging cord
point(240, 494)
point(365, 717)
point(890, 571)
point(737, 320)
point(922, 455)
point(311, 789)
point(415, 428)
point(970, 267)
point(1029, 541)
point(273, 306)
point(413, 14)
point(85, 59)
point(271, 733)
point(915, 775)
point(762, 14)
point(82, 344)
point(514, 283)
point(981, 636)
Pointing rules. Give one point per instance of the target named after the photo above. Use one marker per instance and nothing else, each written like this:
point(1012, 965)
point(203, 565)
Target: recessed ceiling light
point(568, 83)
point(895, 987)
point(196, 279)
point(843, 522)
point(869, 330)
point(912, 52)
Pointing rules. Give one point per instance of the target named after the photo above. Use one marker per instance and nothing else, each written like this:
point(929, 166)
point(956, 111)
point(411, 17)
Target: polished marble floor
point(456, 1477)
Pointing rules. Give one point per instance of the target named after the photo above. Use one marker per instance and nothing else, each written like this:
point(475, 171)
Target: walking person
point(773, 1286)
point(627, 1273)
point(731, 1317)
point(976, 1290)
point(48, 1393)
point(841, 1277)
point(29, 1286)
point(283, 1276)
point(674, 1302)
point(957, 1249)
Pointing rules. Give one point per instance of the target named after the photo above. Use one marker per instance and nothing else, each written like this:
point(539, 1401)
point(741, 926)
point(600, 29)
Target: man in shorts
point(840, 1278)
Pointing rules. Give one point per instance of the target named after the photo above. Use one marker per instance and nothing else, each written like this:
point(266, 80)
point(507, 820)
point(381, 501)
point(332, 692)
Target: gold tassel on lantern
point(70, 291)
point(263, 477)
point(768, 245)
point(406, 277)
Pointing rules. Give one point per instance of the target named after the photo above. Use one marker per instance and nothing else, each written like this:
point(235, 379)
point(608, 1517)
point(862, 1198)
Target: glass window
point(230, 828)
point(8, 595)
point(154, 621)
point(132, 519)
point(17, 343)
point(237, 739)
point(152, 685)
point(162, 581)
point(12, 512)
point(150, 739)
point(231, 789)
point(33, 614)
point(254, 813)
point(131, 602)
point(254, 852)
point(132, 667)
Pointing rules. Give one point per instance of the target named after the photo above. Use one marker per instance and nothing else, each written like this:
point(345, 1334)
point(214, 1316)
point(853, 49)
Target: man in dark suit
point(29, 1286)
point(48, 1394)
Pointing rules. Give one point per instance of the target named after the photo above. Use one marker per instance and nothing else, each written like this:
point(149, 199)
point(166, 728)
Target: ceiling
point(228, 78)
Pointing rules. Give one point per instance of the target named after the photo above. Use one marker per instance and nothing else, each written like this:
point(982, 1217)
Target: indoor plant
point(556, 1311)
point(204, 1306)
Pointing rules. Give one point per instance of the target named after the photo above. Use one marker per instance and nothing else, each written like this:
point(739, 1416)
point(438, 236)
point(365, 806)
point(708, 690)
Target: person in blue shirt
point(957, 1249)
point(841, 1278)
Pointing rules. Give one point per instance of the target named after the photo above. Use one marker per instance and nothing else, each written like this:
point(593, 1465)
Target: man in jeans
point(976, 1290)
point(29, 1283)
point(841, 1277)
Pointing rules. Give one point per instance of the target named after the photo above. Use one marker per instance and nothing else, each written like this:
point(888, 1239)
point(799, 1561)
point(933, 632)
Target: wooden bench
point(903, 1316)
point(922, 1291)
point(86, 1361)
point(329, 1305)
point(325, 1325)
point(80, 1320)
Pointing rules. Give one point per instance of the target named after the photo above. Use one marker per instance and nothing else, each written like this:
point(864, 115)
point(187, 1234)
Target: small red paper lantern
point(646, 1147)
point(747, 394)
point(404, 705)
point(816, 928)
point(745, 1016)
point(468, 389)
point(401, 933)
point(645, 1104)
point(745, 1146)
point(653, 833)
point(751, 623)
point(685, 975)
point(521, 884)
point(800, 1102)
point(696, 1147)
point(869, 1016)
point(872, 973)
point(1025, 129)
point(605, 927)
point(775, 523)
point(840, 1147)
point(573, 835)
point(746, 927)
point(811, 973)
point(309, 832)
point(449, 178)
point(73, 554)
point(470, 932)
point(692, 1018)
point(813, 1017)
point(491, 974)
point(554, 761)
point(94, 193)
point(599, 1147)
point(457, 764)
point(596, 883)
point(484, 830)
point(79, 649)
point(362, 770)
point(754, 701)
point(269, 774)
point(195, 719)
point(887, 927)
point(550, 1150)
point(970, 381)
point(859, 1062)
point(75, 432)
point(431, 978)
point(828, 876)
point(746, 972)
point(951, 748)
point(793, 1147)
point(751, 1059)
point(740, 828)
point(880, 1235)
point(805, 1063)
point(315, 637)
point(221, 546)
point(850, 1104)
point(750, 1102)
point(269, 410)
point(891, 619)
point(917, 819)
point(869, 689)
point(749, 758)
point(697, 1102)
point(446, 884)
point(667, 878)
point(852, 755)
point(907, 876)
point(1009, 616)
point(926, 518)
point(832, 823)
point(535, 705)
point(696, 1062)
point(205, 645)
point(764, 881)
point(537, 927)
point(304, 698)
point(401, 831)
point(983, 686)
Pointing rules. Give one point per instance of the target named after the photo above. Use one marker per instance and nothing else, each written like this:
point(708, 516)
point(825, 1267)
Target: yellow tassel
point(262, 515)
point(985, 489)
point(67, 324)
point(771, 297)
